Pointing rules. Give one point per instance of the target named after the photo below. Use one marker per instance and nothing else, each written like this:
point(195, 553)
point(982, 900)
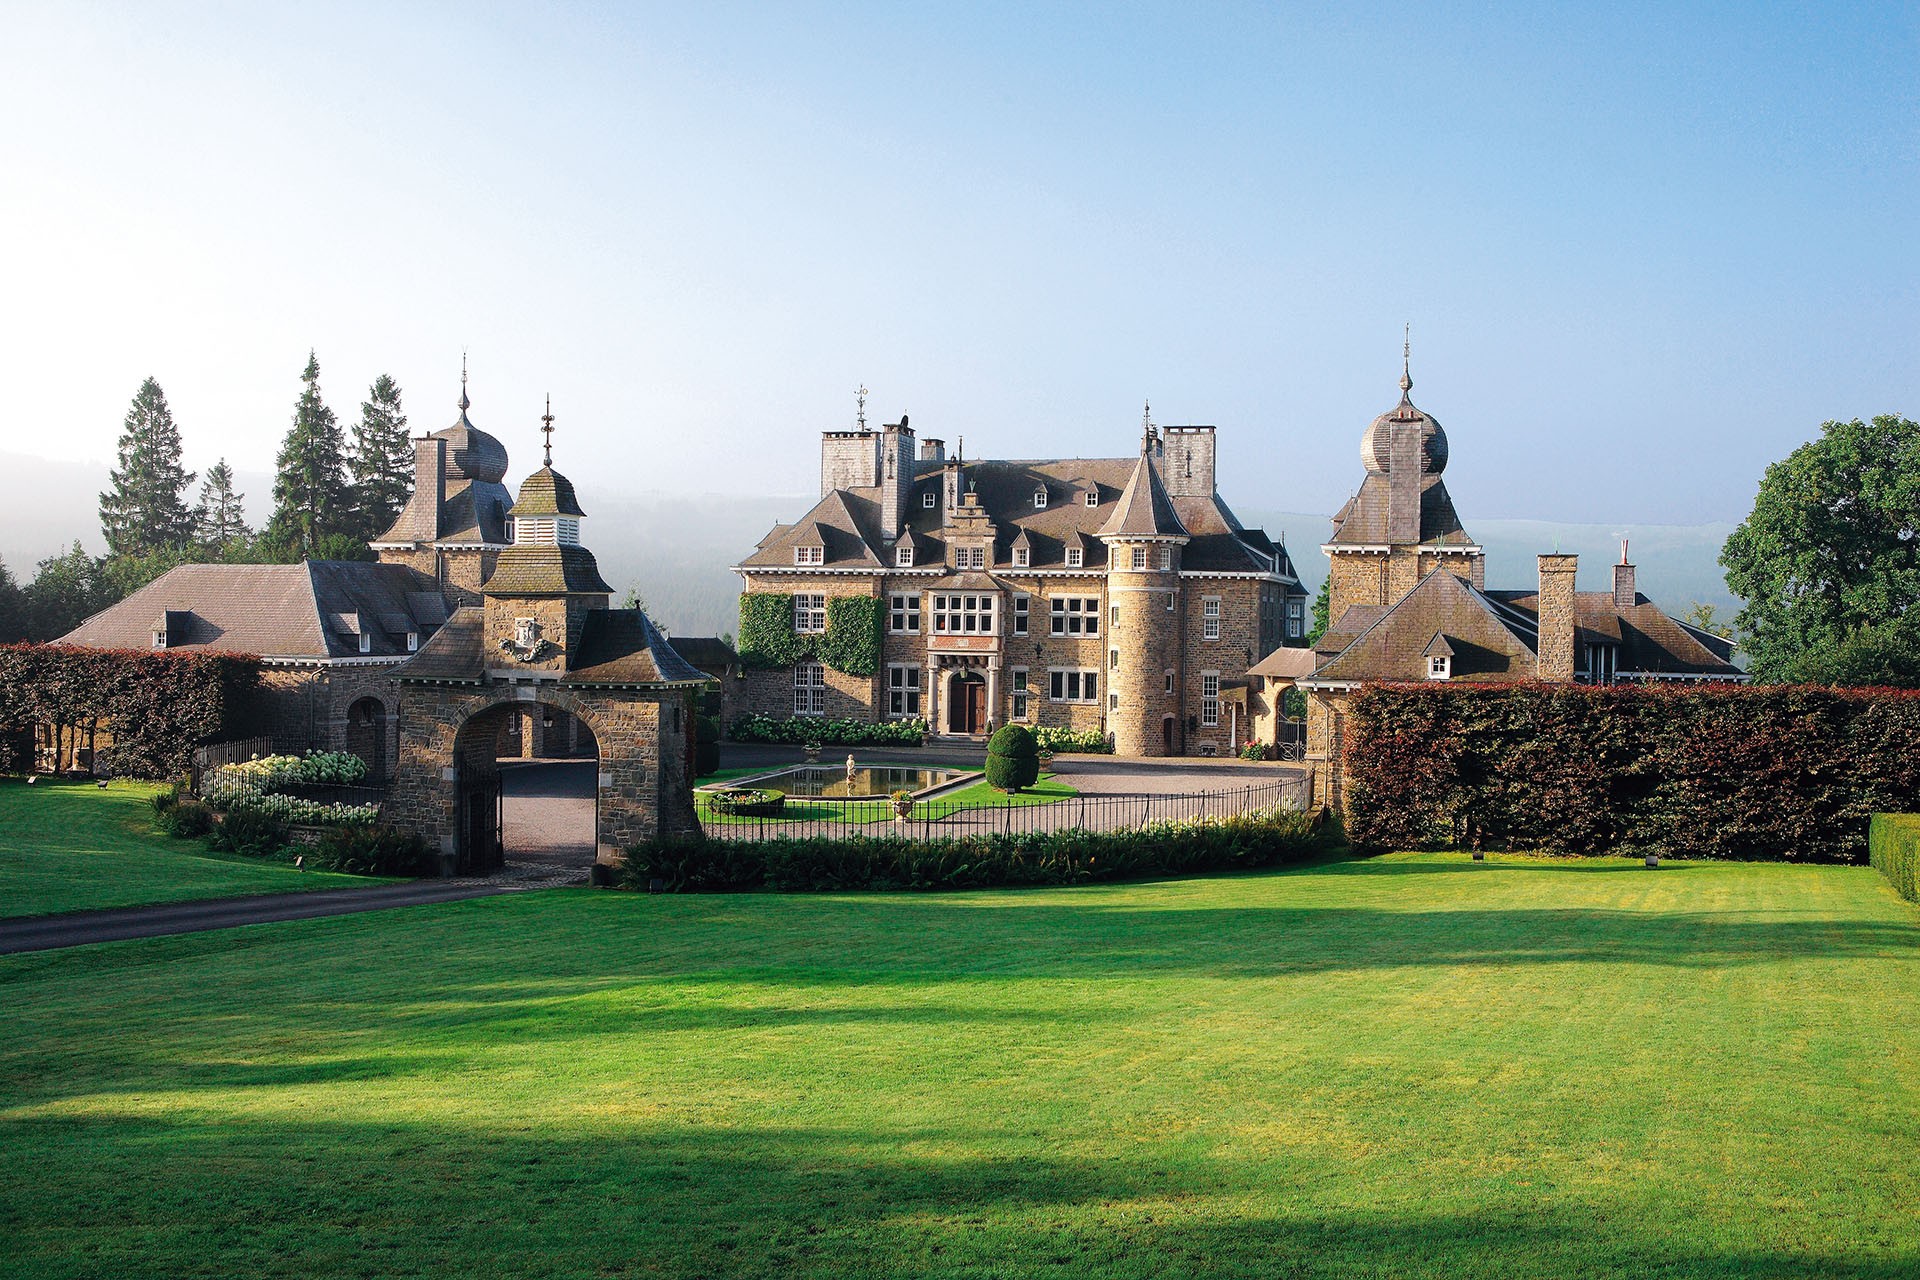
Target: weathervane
point(861, 397)
point(546, 425)
point(1406, 358)
point(464, 403)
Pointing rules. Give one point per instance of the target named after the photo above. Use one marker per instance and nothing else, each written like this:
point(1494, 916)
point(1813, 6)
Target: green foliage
point(158, 705)
point(126, 574)
point(146, 508)
point(1725, 771)
point(367, 850)
point(219, 519)
point(1322, 604)
point(181, 816)
point(66, 590)
point(310, 494)
point(254, 832)
point(744, 802)
point(851, 645)
point(1052, 737)
point(1293, 703)
point(1893, 848)
point(767, 637)
point(13, 617)
point(1887, 654)
point(820, 864)
point(1254, 751)
point(379, 462)
point(838, 732)
point(1013, 759)
point(1832, 545)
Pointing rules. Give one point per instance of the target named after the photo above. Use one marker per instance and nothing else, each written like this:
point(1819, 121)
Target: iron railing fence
point(215, 754)
point(934, 819)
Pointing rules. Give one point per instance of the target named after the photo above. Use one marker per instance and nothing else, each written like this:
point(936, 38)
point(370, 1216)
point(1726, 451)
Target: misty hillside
point(676, 549)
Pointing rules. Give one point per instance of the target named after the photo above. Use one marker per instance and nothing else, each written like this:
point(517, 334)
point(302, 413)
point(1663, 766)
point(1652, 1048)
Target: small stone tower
point(1144, 539)
point(545, 584)
point(453, 527)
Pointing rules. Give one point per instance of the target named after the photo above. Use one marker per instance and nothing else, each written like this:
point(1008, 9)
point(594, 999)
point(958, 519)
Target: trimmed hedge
point(696, 864)
point(1893, 847)
point(1715, 771)
point(842, 731)
point(157, 706)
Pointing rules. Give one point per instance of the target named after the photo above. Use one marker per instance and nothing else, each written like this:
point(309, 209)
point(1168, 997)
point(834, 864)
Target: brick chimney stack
point(1625, 592)
point(1554, 654)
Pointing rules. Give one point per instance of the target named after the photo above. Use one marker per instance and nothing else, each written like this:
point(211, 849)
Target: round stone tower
point(1145, 630)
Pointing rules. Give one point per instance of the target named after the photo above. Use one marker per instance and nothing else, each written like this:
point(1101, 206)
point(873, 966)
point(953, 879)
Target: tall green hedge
point(696, 864)
point(1893, 847)
point(850, 644)
point(157, 705)
point(1716, 771)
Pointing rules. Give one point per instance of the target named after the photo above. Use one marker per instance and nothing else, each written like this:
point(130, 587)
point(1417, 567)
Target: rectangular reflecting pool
point(833, 781)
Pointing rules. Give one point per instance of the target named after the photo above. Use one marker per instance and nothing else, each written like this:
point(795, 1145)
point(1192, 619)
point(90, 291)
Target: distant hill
point(676, 548)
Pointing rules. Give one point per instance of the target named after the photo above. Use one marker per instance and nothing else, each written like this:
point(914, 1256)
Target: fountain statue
point(851, 768)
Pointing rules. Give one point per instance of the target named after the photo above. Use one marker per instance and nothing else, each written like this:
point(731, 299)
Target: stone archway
point(370, 735)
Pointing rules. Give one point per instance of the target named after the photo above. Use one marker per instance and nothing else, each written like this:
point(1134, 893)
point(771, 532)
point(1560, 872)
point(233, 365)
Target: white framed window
point(1210, 698)
point(1075, 557)
point(1039, 499)
point(1113, 659)
point(809, 614)
point(1166, 555)
point(903, 555)
point(1075, 615)
point(903, 615)
point(1113, 615)
point(1296, 618)
point(1210, 618)
point(973, 557)
point(1020, 606)
point(929, 500)
point(1113, 702)
point(903, 690)
point(1139, 557)
point(1439, 667)
point(1093, 497)
point(1017, 691)
point(963, 614)
point(809, 689)
point(809, 555)
point(1021, 557)
point(159, 639)
point(366, 642)
point(1170, 601)
point(1169, 688)
point(1065, 684)
point(413, 642)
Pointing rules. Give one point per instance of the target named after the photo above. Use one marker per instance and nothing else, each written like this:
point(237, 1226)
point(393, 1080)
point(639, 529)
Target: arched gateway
point(543, 643)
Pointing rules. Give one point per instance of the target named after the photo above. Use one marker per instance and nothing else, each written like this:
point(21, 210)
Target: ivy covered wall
point(850, 644)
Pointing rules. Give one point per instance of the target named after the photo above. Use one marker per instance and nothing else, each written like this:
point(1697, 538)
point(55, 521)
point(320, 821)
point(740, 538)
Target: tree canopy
point(219, 518)
point(380, 460)
point(310, 485)
point(1828, 563)
point(146, 508)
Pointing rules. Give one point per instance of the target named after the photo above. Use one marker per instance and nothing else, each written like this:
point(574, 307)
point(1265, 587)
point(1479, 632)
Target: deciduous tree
point(66, 590)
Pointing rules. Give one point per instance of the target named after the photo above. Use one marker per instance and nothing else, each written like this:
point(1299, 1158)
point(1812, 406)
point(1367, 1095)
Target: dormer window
point(366, 642)
point(903, 555)
point(1093, 497)
point(809, 555)
point(929, 500)
point(1439, 667)
point(1021, 557)
point(413, 642)
point(159, 638)
point(1075, 557)
point(1040, 499)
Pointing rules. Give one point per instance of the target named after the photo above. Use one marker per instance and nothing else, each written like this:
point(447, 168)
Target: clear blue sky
point(1644, 251)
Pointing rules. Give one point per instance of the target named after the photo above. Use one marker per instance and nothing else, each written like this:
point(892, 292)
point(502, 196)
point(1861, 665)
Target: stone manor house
point(1117, 596)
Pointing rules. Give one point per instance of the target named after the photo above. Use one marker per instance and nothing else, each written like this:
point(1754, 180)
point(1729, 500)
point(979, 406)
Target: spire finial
point(546, 425)
point(465, 404)
point(1146, 427)
point(860, 397)
point(1406, 359)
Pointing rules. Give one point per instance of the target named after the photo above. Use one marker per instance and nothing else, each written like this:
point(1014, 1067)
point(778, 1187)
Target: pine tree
point(218, 519)
point(146, 510)
point(310, 499)
point(380, 460)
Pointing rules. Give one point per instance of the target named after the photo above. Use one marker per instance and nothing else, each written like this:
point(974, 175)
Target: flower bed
point(744, 802)
point(841, 732)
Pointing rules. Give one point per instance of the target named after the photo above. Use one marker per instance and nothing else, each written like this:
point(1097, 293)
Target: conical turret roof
point(1144, 509)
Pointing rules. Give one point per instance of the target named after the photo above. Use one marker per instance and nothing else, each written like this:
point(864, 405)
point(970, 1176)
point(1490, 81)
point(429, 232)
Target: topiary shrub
point(1013, 759)
point(372, 851)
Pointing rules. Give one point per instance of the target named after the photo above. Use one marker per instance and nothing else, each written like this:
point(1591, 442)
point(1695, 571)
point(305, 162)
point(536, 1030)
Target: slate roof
point(1493, 636)
point(1144, 509)
point(546, 493)
point(546, 569)
point(311, 610)
point(1363, 520)
point(846, 522)
point(709, 653)
point(476, 503)
point(617, 647)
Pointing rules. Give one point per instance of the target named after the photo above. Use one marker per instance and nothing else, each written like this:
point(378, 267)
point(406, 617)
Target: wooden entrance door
point(967, 705)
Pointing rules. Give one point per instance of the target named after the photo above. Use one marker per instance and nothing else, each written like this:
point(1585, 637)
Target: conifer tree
point(310, 499)
point(219, 518)
point(146, 509)
point(380, 460)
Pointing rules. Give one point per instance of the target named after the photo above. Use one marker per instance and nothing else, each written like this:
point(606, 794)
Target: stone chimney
point(1554, 653)
point(429, 489)
point(1625, 592)
point(1186, 461)
point(896, 477)
point(849, 460)
point(933, 450)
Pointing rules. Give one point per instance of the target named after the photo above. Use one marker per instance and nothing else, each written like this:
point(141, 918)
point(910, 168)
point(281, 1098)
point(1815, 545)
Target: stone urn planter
point(1047, 763)
point(813, 752)
point(902, 802)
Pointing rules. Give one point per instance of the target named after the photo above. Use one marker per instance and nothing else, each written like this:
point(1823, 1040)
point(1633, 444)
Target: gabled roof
point(313, 610)
point(617, 647)
point(1649, 640)
point(1144, 509)
point(845, 522)
point(1486, 644)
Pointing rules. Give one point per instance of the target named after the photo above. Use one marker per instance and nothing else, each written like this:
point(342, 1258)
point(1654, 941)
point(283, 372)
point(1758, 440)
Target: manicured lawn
point(68, 846)
point(1410, 1066)
point(1047, 790)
